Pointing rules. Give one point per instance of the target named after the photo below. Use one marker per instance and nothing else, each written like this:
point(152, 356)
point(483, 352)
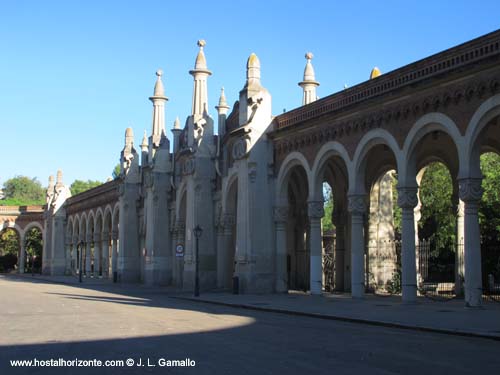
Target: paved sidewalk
point(449, 317)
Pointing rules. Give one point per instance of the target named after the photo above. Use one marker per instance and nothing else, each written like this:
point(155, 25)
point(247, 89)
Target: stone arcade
point(256, 187)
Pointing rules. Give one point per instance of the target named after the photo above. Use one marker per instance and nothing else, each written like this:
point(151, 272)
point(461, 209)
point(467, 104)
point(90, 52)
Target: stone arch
point(107, 223)
point(374, 138)
point(116, 217)
point(227, 188)
point(99, 220)
point(430, 124)
point(83, 226)
point(11, 224)
point(292, 160)
point(90, 222)
point(486, 112)
point(328, 150)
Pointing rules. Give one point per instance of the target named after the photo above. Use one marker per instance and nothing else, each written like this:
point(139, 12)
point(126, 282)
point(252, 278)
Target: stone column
point(69, 257)
point(470, 193)
point(105, 254)
point(22, 255)
point(339, 250)
point(114, 252)
point(76, 255)
point(357, 208)
point(97, 254)
point(315, 212)
point(459, 251)
point(280, 220)
point(88, 255)
point(407, 200)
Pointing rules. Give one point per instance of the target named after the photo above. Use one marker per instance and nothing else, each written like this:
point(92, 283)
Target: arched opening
point(375, 247)
point(440, 246)
point(98, 246)
point(433, 164)
point(91, 258)
point(10, 248)
point(332, 177)
point(33, 246)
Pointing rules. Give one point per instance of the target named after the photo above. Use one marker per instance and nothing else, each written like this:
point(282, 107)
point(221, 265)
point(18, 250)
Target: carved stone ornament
point(407, 197)
point(240, 148)
point(281, 214)
point(315, 209)
point(189, 166)
point(470, 190)
point(357, 204)
point(228, 220)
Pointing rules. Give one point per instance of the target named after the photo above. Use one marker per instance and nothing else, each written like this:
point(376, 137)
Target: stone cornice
point(98, 196)
point(467, 54)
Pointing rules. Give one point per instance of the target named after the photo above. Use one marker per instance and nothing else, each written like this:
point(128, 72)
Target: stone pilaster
point(280, 219)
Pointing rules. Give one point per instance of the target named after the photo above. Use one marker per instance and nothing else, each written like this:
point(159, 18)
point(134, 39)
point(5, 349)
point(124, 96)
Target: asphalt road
point(50, 321)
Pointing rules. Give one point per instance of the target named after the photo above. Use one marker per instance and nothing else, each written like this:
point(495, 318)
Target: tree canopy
point(79, 186)
point(22, 190)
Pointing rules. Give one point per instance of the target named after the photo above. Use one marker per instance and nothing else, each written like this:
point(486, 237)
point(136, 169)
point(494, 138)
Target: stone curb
point(344, 319)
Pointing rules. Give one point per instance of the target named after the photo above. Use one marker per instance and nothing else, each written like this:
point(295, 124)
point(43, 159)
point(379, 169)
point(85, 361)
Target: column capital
point(114, 235)
point(280, 214)
point(315, 209)
point(407, 197)
point(356, 204)
point(470, 190)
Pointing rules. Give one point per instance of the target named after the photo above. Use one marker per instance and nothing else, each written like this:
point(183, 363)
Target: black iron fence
point(490, 257)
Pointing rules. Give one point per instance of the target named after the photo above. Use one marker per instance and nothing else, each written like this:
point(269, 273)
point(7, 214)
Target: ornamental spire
point(309, 82)
point(200, 74)
point(159, 99)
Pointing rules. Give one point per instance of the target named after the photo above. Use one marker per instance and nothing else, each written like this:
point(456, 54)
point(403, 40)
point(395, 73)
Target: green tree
point(489, 210)
point(22, 190)
point(116, 171)
point(438, 221)
point(326, 221)
point(9, 242)
point(79, 186)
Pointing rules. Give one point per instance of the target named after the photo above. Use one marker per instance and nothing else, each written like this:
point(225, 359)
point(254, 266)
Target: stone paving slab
point(450, 317)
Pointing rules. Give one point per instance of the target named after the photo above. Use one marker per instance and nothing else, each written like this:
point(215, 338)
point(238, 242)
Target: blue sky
point(75, 74)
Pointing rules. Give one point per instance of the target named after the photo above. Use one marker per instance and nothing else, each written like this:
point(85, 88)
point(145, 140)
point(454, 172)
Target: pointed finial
point(51, 180)
point(222, 99)
point(253, 70)
point(201, 62)
point(144, 143)
point(309, 56)
point(159, 90)
point(177, 123)
point(375, 73)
